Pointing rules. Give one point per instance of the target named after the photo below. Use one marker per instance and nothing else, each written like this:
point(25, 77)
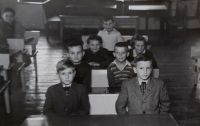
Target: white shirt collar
point(127, 63)
point(140, 81)
point(111, 31)
point(69, 85)
point(135, 54)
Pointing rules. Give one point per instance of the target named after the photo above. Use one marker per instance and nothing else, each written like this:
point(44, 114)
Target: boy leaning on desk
point(143, 94)
point(11, 28)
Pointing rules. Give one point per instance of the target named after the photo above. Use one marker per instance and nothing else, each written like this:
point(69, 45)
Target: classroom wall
point(32, 15)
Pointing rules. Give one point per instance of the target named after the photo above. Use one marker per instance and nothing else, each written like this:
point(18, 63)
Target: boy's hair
point(121, 44)
point(135, 38)
point(8, 10)
point(108, 18)
point(94, 37)
point(141, 57)
point(64, 64)
point(74, 43)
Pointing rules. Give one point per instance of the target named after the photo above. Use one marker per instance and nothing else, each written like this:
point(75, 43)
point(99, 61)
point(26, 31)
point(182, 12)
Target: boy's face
point(75, 54)
point(143, 69)
point(8, 17)
point(94, 45)
point(66, 76)
point(108, 25)
point(139, 46)
point(120, 53)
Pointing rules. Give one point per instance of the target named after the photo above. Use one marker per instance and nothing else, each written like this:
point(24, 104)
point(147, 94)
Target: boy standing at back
point(67, 97)
point(143, 94)
point(83, 70)
point(120, 69)
point(109, 34)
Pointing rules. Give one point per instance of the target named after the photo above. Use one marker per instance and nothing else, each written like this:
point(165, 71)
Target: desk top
point(92, 6)
point(147, 7)
point(101, 120)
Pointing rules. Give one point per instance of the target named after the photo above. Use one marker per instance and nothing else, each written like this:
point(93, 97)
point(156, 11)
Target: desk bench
point(94, 22)
point(101, 120)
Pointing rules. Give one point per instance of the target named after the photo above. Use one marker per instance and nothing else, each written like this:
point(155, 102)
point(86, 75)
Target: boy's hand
point(93, 64)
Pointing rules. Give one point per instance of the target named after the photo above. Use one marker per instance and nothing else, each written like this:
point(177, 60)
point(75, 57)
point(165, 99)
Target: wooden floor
point(175, 69)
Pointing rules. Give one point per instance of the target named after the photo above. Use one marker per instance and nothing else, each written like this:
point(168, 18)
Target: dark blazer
point(57, 102)
point(102, 57)
point(154, 101)
point(130, 58)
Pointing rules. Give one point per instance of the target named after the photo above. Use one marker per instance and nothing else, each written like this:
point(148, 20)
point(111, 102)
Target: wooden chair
point(195, 55)
point(17, 46)
point(52, 15)
point(92, 22)
point(35, 35)
point(179, 20)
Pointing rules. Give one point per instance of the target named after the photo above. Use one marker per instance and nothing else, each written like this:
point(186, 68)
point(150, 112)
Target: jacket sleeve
point(48, 108)
point(19, 29)
point(111, 79)
point(85, 105)
point(107, 59)
point(87, 77)
point(164, 99)
point(121, 102)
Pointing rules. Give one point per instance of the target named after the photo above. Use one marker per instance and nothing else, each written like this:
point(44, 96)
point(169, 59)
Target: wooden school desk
point(147, 9)
point(101, 120)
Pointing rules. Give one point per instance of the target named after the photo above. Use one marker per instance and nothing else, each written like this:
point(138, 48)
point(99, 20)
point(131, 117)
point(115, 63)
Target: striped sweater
point(116, 76)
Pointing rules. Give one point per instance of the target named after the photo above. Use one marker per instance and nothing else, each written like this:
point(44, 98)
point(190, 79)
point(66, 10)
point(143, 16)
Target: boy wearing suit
point(67, 97)
point(143, 94)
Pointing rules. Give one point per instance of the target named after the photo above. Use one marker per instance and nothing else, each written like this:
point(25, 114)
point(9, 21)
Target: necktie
point(143, 87)
point(66, 88)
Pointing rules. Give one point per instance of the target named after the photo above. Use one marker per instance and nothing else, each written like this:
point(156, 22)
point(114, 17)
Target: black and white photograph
point(99, 62)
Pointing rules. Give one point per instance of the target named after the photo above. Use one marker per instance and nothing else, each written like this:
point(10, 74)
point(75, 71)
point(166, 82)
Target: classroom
point(100, 62)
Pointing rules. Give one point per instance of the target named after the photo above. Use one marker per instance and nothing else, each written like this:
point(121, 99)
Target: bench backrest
point(124, 37)
point(125, 22)
point(99, 77)
point(195, 51)
point(16, 44)
point(32, 34)
point(5, 60)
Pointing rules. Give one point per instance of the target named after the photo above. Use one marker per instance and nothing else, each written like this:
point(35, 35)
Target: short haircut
point(141, 57)
point(74, 44)
point(8, 10)
point(64, 64)
point(108, 18)
point(94, 37)
point(135, 38)
point(121, 44)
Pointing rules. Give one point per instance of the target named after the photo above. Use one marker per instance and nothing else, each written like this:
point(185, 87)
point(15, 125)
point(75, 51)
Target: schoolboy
point(143, 94)
point(83, 70)
point(138, 44)
point(67, 97)
point(109, 34)
point(9, 26)
point(120, 69)
point(96, 56)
